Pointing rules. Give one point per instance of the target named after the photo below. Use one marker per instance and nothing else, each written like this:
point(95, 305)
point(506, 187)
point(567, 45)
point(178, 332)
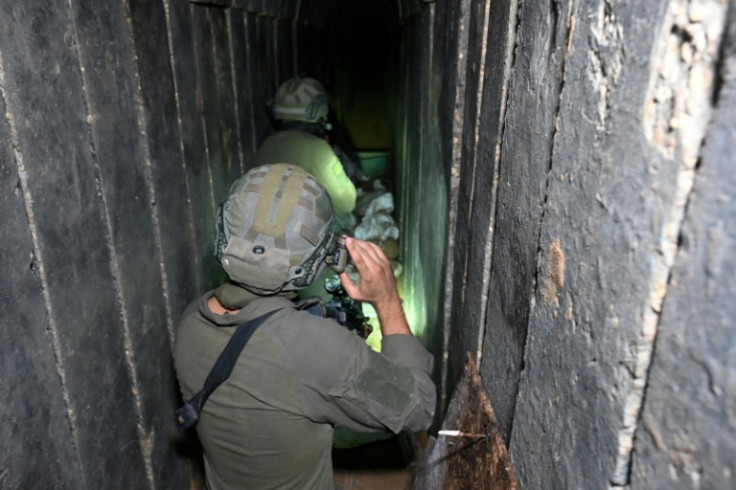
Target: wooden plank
point(43, 86)
point(125, 159)
point(223, 64)
point(453, 30)
point(207, 72)
point(243, 91)
point(174, 216)
point(473, 192)
point(192, 142)
point(480, 461)
point(523, 171)
point(687, 434)
point(609, 194)
point(263, 87)
point(31, 390)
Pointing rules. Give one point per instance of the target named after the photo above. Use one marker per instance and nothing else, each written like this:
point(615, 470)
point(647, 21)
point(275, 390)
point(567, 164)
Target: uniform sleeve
point(390, 390)
point(343, 381)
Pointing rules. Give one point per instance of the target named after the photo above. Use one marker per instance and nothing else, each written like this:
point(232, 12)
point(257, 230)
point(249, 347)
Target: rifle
point(345, 310)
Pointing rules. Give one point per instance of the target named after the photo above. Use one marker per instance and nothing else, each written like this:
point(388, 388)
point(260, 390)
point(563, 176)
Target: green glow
point(415, 302)
point(374, 339)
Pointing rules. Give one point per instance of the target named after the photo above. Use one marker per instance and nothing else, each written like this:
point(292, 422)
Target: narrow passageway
point(358, 61)
point(387, 464)
point(361, 56)
point(562, 182)
point(363, 49)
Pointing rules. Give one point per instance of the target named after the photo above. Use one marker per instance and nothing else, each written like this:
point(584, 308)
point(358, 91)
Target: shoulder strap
point(188, 415)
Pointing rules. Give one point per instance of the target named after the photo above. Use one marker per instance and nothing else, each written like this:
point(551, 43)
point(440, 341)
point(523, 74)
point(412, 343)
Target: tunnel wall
point(585, 149)
point(421, 172)
point(597, 317)
point(123, 124)
point(484, 42)
point(688, 421)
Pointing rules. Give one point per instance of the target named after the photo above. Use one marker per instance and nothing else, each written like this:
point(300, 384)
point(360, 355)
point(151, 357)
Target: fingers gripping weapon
point(340, 307)
point(343, 309)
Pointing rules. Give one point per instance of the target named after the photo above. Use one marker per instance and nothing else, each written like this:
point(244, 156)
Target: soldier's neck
point(218, 308)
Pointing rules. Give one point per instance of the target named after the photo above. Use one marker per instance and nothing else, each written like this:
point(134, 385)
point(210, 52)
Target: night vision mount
point(337, 258)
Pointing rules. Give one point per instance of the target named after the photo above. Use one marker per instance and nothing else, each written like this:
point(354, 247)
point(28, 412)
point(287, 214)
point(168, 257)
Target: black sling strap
point(188, 415)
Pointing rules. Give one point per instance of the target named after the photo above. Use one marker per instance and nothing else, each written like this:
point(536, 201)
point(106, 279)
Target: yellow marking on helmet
point(267, 197)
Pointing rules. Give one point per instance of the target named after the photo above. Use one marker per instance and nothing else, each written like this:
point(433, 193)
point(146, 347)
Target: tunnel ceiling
point(343, 13)
point(325, 12)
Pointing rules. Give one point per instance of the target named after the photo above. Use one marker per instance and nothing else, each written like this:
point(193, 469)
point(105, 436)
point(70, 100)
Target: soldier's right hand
point(377, 285)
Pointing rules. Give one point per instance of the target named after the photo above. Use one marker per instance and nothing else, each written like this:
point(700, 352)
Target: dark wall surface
point(420, 174)
point(604, 127)
point(123, 125)
point(525, 159)
point(81, 280)
point(688, 423)
point(593, 305)
point(564, 187)
point(31, 388)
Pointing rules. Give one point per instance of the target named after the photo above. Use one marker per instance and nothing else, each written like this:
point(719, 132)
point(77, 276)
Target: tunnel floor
point(380, 465)
point(389, 464)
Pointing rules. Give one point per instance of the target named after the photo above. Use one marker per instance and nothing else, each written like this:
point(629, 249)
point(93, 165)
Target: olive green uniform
point(270, 425)
point(314, 155)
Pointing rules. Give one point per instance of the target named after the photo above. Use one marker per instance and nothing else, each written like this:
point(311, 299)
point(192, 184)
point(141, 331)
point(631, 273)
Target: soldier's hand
point(377, 282)
point(377, 285)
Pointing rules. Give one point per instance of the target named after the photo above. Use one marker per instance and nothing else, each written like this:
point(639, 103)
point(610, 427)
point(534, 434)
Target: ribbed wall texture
point(563, 178)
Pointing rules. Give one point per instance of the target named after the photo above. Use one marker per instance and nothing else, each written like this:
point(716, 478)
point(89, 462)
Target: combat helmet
point(301, 99)
point(274, 229)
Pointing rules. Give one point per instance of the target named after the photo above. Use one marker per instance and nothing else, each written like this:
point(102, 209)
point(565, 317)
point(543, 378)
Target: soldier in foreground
point(270, 424)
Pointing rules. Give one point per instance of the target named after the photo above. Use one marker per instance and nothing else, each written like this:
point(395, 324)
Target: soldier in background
point(300, 109)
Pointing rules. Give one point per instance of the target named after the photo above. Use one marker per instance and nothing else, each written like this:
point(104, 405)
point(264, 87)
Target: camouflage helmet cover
point(274, 229)
point(301, 99)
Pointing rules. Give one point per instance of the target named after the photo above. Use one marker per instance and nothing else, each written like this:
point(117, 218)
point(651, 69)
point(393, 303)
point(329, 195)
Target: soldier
point(270, 424)
point(300, 109)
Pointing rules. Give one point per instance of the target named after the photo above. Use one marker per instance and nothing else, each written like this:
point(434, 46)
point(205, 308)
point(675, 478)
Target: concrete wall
point(573, 158)
point(597, 317)
point(122, 126)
